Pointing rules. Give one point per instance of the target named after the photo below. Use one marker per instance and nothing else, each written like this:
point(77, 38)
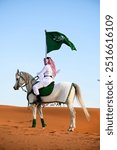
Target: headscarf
point(52, 64)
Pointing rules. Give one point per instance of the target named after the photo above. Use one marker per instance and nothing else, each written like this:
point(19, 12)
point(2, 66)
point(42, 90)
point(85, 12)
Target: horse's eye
point(17, 79)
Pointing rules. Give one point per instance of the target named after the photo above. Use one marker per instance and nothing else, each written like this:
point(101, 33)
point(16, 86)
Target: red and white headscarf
point(52, 64)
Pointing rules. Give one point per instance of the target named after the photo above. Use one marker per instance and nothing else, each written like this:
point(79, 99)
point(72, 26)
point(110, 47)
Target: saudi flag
point(54, 40)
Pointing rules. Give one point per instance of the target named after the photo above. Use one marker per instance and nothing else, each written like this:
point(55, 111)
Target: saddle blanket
point(59, 94)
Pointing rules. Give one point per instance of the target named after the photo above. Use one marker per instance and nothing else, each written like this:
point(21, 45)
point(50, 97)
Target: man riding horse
point(46, 76)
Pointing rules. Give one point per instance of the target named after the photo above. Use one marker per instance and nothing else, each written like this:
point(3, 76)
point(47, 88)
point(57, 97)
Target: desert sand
point(16, 132)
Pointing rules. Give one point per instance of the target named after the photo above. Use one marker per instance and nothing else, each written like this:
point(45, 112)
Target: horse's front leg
point(39, 109)
point(34, 112)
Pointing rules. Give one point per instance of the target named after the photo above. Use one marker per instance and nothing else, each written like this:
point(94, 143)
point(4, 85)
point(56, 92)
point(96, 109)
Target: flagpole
point(45, 46)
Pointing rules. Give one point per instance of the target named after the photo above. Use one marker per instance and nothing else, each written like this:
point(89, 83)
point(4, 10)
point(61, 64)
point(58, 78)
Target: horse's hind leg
point(72, 117)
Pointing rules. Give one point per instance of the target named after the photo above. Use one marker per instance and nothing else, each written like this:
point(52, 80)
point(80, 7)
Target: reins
point(26, 81)
point(24, 89)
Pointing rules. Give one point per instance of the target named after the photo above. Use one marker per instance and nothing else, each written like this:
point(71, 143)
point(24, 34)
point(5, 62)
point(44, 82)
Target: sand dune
point(16, 132)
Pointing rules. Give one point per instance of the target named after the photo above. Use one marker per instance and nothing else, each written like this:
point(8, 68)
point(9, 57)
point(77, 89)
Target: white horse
point(63, 92)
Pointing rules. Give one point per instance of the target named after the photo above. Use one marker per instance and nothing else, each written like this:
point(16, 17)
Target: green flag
point(54, 40)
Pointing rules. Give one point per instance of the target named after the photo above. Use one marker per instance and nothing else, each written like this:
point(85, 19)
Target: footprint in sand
point(52, 131)
point(1, 139)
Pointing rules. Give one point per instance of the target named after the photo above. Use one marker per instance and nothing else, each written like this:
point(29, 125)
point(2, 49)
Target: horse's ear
point(17, 70)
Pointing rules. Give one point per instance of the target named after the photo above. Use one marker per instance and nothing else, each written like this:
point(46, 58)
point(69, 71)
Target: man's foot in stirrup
point(39, 99)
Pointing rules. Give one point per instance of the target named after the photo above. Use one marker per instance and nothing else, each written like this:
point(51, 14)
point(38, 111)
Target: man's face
point(45, 61)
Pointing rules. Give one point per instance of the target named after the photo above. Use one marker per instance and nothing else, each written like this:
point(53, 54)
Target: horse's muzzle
point(15, 88)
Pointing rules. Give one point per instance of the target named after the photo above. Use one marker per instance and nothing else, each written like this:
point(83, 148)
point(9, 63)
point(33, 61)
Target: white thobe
point(45, 78)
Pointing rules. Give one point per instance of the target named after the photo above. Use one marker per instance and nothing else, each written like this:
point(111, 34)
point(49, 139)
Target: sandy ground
point(16, 132)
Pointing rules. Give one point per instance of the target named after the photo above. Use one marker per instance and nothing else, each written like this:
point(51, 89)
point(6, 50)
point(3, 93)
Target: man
point(46, 76)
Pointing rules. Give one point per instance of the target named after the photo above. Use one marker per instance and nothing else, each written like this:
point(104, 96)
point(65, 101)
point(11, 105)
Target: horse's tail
point(78, 95)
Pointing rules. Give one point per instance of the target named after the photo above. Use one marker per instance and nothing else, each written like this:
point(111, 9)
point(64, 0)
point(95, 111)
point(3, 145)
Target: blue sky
point(22, 44)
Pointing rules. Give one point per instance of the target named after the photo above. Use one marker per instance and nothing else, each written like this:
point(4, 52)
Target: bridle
point(26, 82)
point(22, 80)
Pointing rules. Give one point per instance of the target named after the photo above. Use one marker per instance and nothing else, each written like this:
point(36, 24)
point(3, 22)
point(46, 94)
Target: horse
point(63, 92)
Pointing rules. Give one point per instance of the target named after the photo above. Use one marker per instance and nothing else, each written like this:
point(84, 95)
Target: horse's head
point(21, 80)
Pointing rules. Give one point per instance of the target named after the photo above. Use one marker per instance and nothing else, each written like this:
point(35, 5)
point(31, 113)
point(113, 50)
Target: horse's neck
point(31, 81)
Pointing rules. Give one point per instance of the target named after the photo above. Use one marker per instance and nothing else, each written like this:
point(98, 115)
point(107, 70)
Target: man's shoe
point(39, 99)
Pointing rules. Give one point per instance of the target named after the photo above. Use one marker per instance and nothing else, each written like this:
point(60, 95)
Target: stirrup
point(39, 100)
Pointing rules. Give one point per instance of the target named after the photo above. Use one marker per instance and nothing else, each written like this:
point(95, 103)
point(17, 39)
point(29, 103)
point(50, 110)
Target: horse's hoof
point(34, 123)
point(71, 129)
point(43, 123)
point(43, 128)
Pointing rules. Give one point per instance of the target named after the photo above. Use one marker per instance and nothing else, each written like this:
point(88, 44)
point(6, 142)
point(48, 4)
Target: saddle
point(45, 91)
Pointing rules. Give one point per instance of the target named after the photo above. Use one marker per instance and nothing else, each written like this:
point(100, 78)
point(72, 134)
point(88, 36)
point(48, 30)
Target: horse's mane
point(27, 74)
point(29, 78)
